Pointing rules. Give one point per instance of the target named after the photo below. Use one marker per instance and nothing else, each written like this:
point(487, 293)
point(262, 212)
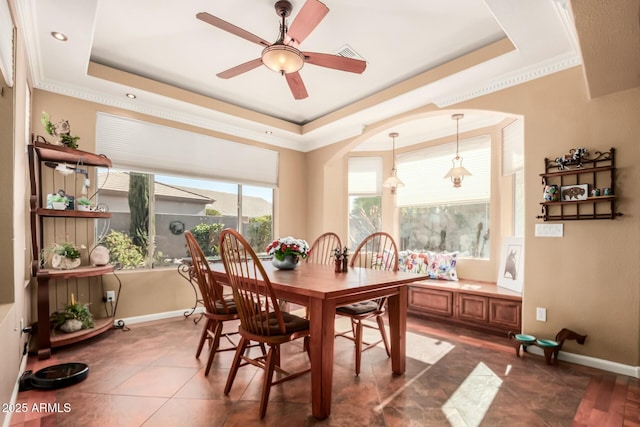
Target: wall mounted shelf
point(596, 171)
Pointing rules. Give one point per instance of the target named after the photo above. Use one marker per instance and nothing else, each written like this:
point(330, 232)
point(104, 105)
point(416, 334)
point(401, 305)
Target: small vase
point(289, 262)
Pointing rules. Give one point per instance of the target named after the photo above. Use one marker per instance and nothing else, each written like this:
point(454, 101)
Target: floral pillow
point(413, 262)
point(443, 265)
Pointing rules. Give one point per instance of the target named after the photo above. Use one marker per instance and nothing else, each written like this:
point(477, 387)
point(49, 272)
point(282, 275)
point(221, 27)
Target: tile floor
point(149, 376)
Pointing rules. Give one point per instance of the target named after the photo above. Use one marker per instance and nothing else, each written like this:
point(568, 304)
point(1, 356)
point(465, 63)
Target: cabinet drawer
point(472, 307)
point(431, 301)
point(505, 313)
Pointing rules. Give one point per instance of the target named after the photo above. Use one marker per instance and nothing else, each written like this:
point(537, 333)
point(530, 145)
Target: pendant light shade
point(457, 172)
point(393, 182)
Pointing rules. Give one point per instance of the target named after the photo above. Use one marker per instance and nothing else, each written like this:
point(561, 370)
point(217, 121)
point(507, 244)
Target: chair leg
point(242, 346)
point(203, 337)
point(383, 333)
point(358, 334)
point(214, 347)
point(272, 356)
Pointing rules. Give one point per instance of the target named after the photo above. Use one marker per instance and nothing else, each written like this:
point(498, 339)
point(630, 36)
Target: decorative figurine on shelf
point(574, 158)
point(595, 192)
point(61, 130)
point(345, 260)
point(338, 260)
point(607, 191)
point(551, 193)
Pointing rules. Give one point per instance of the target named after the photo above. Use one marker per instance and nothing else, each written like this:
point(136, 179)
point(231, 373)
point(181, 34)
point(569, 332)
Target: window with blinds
point(422, 172)
point(436, 216)
point(365, 197)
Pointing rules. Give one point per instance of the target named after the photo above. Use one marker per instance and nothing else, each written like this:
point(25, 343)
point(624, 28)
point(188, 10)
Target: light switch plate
point(549, 230)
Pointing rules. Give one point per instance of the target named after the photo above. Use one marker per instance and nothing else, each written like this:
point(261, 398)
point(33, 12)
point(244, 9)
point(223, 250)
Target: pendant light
point(457, 172)
point(393, 181)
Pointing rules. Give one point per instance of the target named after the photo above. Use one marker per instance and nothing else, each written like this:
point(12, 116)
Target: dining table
point(320, 288)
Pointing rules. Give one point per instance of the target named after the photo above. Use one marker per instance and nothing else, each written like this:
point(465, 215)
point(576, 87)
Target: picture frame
point(570, 193)
point(511, 271)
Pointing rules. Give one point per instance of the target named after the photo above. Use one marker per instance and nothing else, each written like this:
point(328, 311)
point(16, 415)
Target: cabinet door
point(472, 307)
point(430, 301)
point(505, 313)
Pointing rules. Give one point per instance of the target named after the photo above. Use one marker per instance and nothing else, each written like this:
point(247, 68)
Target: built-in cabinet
point(477, 305)
point(53, 167)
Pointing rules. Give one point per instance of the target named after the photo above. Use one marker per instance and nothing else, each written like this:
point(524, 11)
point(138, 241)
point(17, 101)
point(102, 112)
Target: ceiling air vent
point(348, 52)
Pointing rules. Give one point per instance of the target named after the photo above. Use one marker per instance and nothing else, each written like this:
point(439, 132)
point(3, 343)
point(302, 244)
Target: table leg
point(397, 310)
point(322, 328)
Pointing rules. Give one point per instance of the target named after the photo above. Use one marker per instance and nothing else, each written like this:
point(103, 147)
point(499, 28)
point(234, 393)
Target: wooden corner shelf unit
point(597, 171)
point(50, 226)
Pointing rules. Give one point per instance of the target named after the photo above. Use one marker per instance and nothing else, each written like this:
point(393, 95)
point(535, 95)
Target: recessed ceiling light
point(268, 132)
point(59, 36)
point(131, 95)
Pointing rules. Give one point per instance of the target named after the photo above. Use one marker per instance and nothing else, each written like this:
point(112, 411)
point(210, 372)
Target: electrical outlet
point(111, 296)
point(541, 314)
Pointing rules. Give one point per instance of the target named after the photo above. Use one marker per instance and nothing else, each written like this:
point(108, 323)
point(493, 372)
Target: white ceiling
point(163, 41)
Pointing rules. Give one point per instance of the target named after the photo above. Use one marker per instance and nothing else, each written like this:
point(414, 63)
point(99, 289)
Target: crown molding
point(513, 79)
point(170, 115)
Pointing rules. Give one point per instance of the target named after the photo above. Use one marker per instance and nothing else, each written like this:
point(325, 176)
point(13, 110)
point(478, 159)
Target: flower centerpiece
point(287, 252)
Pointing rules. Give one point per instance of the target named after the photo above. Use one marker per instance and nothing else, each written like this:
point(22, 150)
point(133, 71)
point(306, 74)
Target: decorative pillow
point(443, 265)
point(413, 262)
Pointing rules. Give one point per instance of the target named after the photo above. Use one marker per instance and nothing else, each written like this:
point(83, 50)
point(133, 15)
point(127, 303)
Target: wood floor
point(149, 376)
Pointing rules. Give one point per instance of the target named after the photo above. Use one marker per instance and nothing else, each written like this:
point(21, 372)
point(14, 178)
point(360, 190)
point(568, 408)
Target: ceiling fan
point(283, 56)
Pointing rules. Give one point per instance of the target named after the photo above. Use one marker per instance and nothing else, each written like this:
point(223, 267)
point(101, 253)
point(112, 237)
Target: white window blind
point(6, 43)
point(513, 147)
point(365, 175)
point(423, 172)
point(147, 147)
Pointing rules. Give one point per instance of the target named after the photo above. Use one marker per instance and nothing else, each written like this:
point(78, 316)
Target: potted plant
point(83, 204)
point(61, 130)
point(73, 317)
point(58, 202)
point(63, 256)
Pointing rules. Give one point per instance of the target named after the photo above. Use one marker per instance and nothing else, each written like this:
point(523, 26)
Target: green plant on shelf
point(66, 250)
point(74, 316)
point(83, 201)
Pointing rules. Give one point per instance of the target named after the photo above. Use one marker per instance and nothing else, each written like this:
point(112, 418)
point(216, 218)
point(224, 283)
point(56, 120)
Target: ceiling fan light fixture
point(282, 59)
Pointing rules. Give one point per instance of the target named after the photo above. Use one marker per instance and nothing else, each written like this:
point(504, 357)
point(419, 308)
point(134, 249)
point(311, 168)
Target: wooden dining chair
point(218, 308)
point(261, 319)
point(323, 248)
point(377, 251)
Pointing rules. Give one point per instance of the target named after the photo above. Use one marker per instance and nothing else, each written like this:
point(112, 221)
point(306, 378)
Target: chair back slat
point(210, 289)
point(377, 251)
point(322, 250)
point(252, 292)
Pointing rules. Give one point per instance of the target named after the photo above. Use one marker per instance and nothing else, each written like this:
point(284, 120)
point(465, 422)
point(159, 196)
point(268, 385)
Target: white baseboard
point(592, 362)
point(157, 316)
point(16, 387)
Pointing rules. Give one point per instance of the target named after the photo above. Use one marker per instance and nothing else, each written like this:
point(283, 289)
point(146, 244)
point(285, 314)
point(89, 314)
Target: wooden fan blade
point(296, 85)
point(312, 12)
point(336, 62)
point(230, 28)
point(239, 69)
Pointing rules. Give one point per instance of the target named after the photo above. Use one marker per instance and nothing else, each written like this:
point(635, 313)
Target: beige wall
point(587, 280)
